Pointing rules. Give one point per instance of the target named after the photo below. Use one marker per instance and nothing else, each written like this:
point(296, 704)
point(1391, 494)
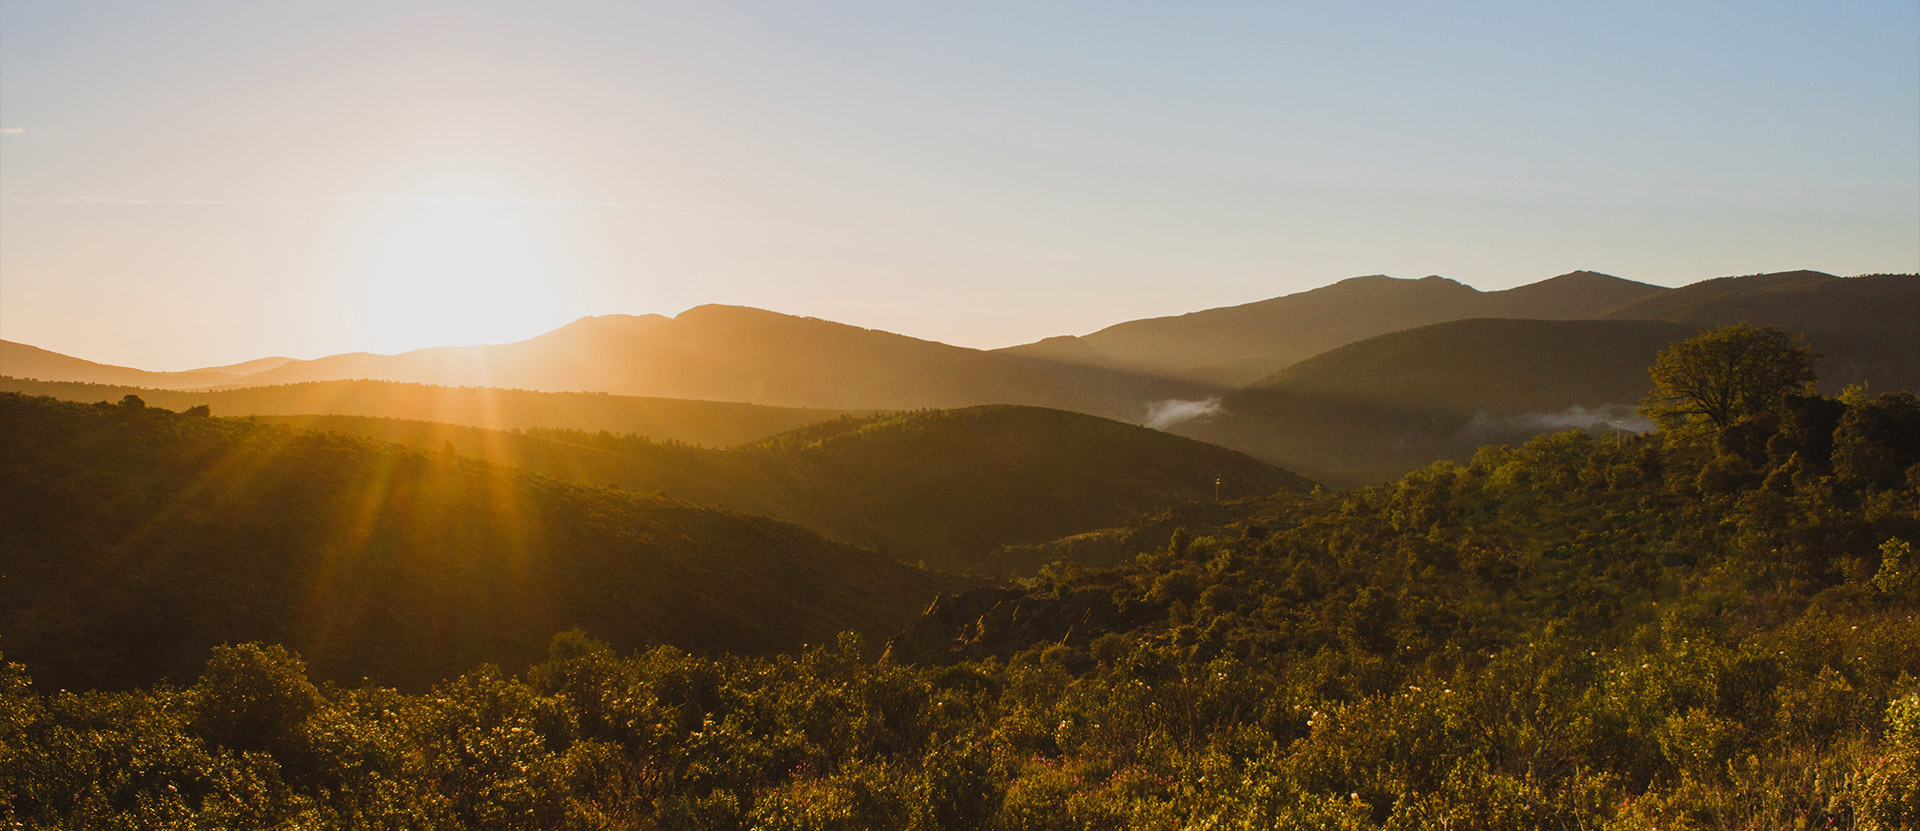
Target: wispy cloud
point(12, 131)
point(434, 201)
point(116, 200)
point(481, 202)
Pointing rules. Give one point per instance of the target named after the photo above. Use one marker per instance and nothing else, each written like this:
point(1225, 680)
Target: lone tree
point(1726, 374)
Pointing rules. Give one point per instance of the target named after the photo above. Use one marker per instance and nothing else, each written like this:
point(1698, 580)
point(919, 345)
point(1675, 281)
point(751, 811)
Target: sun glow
point(455, 269)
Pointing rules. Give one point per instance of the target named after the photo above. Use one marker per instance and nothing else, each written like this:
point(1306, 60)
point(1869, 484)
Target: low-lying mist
point(1164, 414)
point(1623, 416)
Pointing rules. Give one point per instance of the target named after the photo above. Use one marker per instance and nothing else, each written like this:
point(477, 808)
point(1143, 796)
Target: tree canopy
point(1723, 375)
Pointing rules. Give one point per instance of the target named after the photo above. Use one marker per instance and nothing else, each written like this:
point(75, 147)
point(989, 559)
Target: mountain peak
point(1372, 285)
point(1581, 275)
point(602, 325)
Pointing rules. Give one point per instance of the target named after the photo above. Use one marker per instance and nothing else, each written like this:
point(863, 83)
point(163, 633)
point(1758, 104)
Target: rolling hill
point(956, 485)
point(134, 539)
point(732, 353)
point(709, 423)
point(1501, 367)
point(948, 487)
point(19, 360)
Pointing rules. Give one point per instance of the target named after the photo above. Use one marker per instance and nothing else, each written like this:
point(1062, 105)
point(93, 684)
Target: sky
point(187, 184)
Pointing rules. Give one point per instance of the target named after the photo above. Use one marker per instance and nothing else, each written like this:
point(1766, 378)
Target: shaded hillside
point(1665, 305)
point(1863, 327)
point(1501, 367)
point(709, 423)
point(134, 539)
point(1238, 344)
point(946, 487)
point(1338, 441)
point(960, 484)
point(18, 360)
point(1374, 409)
point(1379, 407)
point(732, 353)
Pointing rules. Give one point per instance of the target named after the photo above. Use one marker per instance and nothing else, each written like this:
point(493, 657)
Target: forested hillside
point(948, 487)
point(960, 484)
point(1693, 629)
point(1369, 411)
point(134, 538)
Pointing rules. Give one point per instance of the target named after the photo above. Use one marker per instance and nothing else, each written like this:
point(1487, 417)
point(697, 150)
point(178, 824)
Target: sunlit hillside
point(18, 360)
point(137, 538)
point(734, 353)
point(947, 487)
point(708, 423)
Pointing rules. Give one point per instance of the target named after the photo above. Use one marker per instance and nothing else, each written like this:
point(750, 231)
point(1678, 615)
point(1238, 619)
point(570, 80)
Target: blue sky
point(196, 183)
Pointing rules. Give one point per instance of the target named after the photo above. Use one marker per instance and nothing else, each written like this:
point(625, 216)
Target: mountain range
point(733, 353)
point(1350, 382)
point(1235, 345)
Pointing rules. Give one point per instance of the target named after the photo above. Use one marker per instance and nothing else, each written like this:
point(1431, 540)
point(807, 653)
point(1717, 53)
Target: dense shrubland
point(1695, 629)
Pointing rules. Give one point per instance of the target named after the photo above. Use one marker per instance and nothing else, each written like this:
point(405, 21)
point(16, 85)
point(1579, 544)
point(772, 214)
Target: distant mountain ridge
point(1864, 328)
point(18, 360)
point(1236, 345)
point(1861, 325)
point(735, 353)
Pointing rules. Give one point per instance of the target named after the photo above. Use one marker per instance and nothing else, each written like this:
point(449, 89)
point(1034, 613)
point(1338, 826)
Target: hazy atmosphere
point(992, 416)
point(193, 184)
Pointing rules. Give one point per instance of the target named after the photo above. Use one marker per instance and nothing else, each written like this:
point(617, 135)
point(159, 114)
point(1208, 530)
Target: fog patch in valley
point(1621, 416)
point(1164, 414)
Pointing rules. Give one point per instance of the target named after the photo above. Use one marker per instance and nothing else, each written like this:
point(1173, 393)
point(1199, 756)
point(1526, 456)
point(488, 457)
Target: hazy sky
point(188, 184)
